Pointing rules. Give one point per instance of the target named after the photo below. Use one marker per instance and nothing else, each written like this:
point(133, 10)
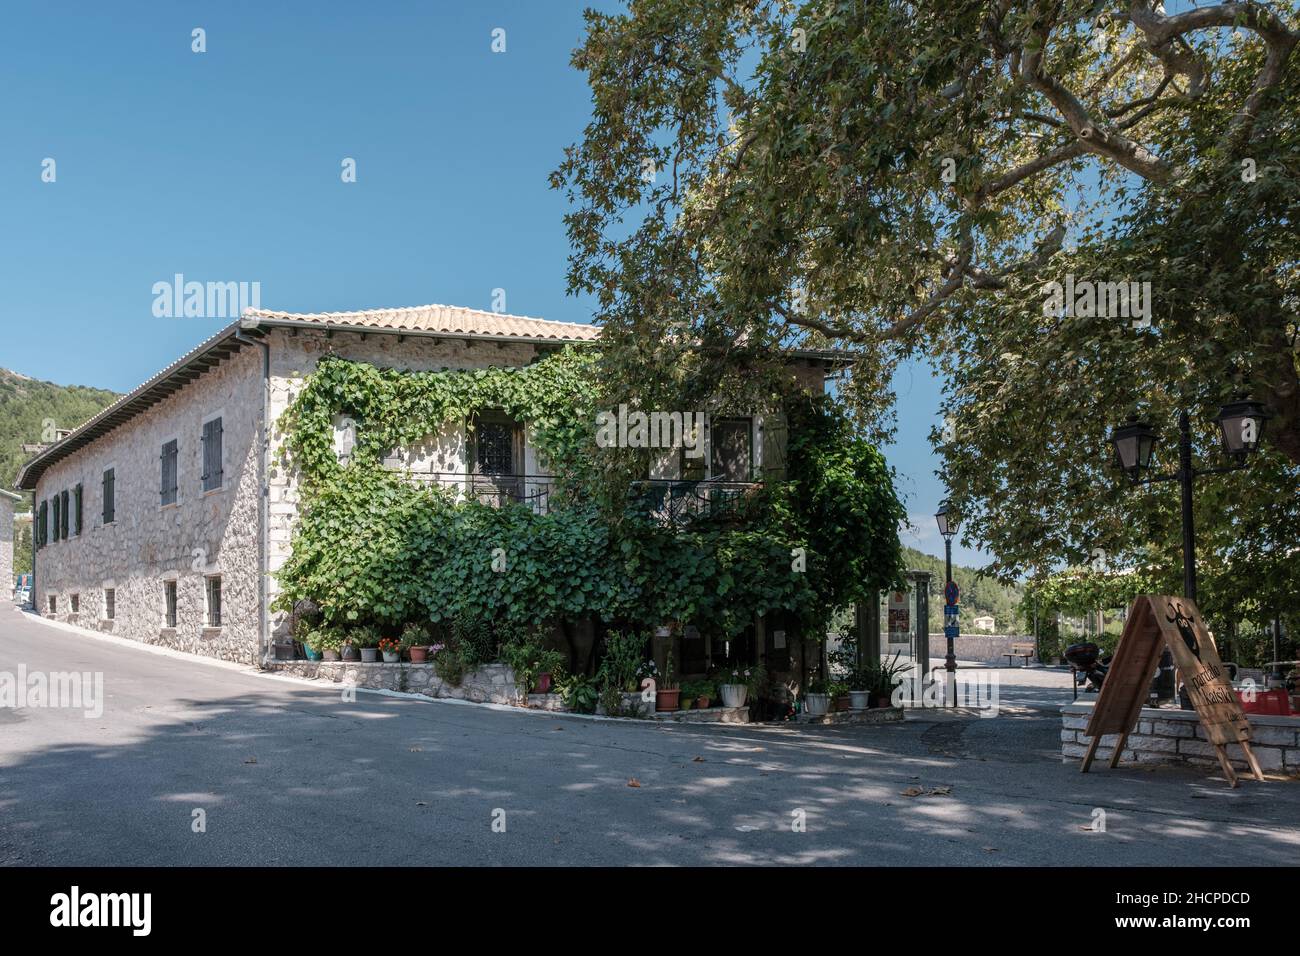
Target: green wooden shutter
point(76, 510)
point(109, 504)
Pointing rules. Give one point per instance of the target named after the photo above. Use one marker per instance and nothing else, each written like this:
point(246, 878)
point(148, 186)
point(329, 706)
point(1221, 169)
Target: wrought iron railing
point(668, 501)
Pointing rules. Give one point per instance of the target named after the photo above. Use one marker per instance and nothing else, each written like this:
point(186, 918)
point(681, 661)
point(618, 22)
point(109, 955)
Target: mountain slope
point(979, 595)
point(28, 405)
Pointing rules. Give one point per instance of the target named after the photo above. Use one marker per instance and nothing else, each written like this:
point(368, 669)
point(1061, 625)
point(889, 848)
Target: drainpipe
point(263, 495)
point(32, 589)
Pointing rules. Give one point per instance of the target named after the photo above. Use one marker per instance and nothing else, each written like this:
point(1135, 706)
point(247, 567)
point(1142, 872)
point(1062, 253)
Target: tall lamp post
point(948, 527)
point(1242, 424)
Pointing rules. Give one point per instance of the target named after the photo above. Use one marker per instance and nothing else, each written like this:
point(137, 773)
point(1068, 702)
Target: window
point(55, 535)
point(110, 603)
point(110, 479)
point(167, 488)
point(76, 510)
point(732, 449)
point(169, 598)
point(63, 527)
point(212, 470)
point(43, 522)
point(76, 604)
point(54, 604)
point(213, 591)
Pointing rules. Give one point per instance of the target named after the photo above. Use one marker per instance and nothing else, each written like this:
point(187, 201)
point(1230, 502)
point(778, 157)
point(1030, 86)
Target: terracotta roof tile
point(450, 319)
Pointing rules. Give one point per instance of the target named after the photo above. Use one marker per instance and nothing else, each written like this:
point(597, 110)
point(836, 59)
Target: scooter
point(1092, 666)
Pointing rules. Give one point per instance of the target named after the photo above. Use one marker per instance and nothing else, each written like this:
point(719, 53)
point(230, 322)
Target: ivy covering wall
point(374, 547)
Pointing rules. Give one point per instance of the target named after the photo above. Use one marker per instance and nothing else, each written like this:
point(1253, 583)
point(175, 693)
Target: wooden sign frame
point(1157, 621)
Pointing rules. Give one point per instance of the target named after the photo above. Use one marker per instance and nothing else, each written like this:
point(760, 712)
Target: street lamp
point(1242, 424)
point(947, 523)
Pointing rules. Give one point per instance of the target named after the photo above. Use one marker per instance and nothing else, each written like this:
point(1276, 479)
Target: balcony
point(667, 501)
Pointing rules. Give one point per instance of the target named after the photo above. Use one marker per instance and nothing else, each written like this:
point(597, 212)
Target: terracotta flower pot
point(543, 685)
point(702, 703)
point(667, 699)
point(419, 655)
point(841, 703)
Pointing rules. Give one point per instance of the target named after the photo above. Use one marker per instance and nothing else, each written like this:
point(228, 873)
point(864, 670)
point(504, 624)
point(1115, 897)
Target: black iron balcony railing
point(668, 501)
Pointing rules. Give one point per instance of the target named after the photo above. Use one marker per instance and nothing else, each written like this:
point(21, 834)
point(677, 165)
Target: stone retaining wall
point(985, 648)
point(1176, 736)
point(490, 684)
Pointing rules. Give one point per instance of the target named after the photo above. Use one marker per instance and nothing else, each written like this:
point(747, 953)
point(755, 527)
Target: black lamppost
point(1242, 424)
point(947, 527)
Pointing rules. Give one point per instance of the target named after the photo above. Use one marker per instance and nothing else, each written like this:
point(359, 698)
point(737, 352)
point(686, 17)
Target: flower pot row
point(367, 655)
point(820, 704)
point(699, 697)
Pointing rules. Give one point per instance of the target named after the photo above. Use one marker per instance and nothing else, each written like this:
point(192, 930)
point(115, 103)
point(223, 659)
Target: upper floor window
point(498, 446)
point(213, 473)
point(732, 448)
point(168, 485)
point(63, 517)
point(54, 526)
point(43, 524)
point(110, 481)
point(76, 510)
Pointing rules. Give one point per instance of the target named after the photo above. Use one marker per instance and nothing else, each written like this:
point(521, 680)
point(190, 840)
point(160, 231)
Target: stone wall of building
point(294, 356)
point(203, 533)
point(6, 545)
point(1176, 736)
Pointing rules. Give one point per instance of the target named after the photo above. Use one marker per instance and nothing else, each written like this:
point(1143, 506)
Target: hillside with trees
point(980, 594)
point(28, 406)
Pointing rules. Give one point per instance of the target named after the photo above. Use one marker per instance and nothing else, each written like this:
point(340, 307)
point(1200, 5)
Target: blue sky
point(225, 166)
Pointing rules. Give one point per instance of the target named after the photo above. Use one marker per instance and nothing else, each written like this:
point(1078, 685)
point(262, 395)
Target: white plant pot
point(392, 657)
point(816, 705)
point(859, 699)
point(733, 695)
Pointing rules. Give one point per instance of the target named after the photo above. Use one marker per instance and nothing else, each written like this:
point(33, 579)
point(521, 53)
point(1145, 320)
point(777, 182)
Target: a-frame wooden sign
point(1154, 622)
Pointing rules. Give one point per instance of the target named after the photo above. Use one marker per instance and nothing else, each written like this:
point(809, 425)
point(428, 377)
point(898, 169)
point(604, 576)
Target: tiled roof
point(448, 319)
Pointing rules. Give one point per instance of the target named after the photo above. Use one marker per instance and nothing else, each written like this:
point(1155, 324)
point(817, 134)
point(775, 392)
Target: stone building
point(164, 517)
point(7, 537)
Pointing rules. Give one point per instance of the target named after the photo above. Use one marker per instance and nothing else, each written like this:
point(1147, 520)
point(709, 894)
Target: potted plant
point(415, 638)
point(311, 642)
point(817, 699)
point(668, 694)
point(888, 676)
point(839, 691)
point(738, 684)
point(366, 638)
point(701, 692)
point(861, 681)
point(391, 648)
point(329, 641)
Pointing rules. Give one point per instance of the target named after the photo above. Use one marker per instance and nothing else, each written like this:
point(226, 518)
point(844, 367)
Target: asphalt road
point(289, 773)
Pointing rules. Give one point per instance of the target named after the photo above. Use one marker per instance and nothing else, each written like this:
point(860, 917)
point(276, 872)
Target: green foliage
point(981, 593)
point(874, 176)
point(449, 665)
point(529, 660)
point(367, 635)
point(25, 405)
point(624, 654)
point(579, 693)
point(373, 547)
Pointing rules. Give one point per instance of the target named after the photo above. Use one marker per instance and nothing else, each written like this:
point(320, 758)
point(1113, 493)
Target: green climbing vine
point(371, 546)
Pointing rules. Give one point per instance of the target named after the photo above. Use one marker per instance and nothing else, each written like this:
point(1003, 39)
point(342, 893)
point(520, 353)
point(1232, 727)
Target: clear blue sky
point(225, 166)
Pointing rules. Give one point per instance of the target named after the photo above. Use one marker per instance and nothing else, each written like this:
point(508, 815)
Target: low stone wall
point(489, 684)
point(876, 715)
point(985, 648)
point(1176, 736)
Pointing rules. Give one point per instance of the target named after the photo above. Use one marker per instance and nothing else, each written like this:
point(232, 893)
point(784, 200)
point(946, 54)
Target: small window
point(110, 480)
point(213, 590)
point(167, 488)
point(54, 604)
point(213, 473)
point(110, 603)
point(75, 601)
point(169, 598)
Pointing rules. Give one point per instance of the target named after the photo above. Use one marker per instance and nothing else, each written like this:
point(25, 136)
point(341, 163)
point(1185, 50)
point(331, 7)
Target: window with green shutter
point(212, 471)
point(55, 533)
point(109, 503)
point(168, 486)
point(76, 509)
point(63, 527)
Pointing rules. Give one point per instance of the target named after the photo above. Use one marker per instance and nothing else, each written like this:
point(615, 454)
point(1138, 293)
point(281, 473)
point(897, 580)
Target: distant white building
point(985, 623)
